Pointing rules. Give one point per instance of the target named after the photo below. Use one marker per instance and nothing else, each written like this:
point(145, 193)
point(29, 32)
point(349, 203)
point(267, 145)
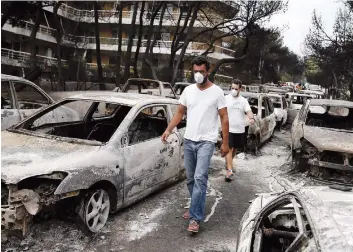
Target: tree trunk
point(176, 40)
point(149, 34)
point(130, 43)
point(120, 41)
point(158, 31)
point(98, 48)
point(32, 38)
point(58, 36)
point(141, 33)
point(186, 43)
point(153, 70)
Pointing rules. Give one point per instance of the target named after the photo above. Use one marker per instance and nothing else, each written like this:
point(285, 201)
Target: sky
point(296, 21)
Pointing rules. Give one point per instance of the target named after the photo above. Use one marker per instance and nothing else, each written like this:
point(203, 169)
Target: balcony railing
point(112, 15)
point(23, 58)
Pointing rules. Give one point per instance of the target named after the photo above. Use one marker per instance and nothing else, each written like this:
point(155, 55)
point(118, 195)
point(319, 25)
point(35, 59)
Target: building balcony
point(22, 59)
point(112, 16)
point(111, 44)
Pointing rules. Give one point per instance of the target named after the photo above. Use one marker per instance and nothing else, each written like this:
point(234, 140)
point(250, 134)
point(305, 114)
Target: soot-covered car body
point(281, 108)
point(20, 98)
point(109, 158)
point(322, 135)
point(310, 219)
point(265, 121)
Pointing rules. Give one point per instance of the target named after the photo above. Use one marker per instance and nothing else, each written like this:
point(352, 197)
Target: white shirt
point(237, 107)
point(202, 112)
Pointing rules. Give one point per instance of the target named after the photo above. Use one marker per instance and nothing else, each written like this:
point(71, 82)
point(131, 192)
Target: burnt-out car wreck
point(322, 137)
point(108, 158)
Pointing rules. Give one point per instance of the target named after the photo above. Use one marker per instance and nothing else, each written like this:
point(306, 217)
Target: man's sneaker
point(230, 176)
point(193, 226)
point(186, 215)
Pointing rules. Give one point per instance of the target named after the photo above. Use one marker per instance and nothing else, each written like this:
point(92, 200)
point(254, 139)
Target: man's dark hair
point(237, 82)
point(201, 60)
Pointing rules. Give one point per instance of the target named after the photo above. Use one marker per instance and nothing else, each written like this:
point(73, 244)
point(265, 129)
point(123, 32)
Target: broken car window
point(29, 97)
point(6, 96)
point(74, 119)
point(105, 109)
point(330, 117)
point(150, 123)
point(280, 226)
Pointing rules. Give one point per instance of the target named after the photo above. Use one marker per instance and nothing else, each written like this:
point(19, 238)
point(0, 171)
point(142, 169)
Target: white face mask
point(234, 92)
point(198, 77)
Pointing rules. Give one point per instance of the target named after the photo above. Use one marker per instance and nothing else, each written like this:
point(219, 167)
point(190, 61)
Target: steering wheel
point(96, 127)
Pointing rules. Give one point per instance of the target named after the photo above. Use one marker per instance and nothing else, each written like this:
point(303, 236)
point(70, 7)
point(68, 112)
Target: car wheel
point(95, 207)
point(299, 163)
point(254, 144)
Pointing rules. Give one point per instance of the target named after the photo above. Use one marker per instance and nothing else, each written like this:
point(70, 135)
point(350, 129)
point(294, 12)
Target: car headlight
point(307, 147)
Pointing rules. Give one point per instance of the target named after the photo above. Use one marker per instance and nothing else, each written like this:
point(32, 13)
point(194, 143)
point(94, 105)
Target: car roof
point(328, 102)
point(252, 95)
point(183, 83)
point(12, 77)
point(337, 205)
point(297, 94)
point(274, 95)
point(130, 99)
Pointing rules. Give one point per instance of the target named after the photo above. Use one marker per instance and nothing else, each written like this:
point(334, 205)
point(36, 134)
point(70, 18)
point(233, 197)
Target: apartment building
point(77, 20)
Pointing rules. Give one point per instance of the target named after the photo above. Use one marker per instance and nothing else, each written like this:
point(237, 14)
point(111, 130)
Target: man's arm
point(223, 113)
point(177, 118)
point(174, 122)
point(250, 114)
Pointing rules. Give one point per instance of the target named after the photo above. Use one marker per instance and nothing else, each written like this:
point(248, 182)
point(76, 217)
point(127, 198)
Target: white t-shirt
point(202, 112)
point(237, 107)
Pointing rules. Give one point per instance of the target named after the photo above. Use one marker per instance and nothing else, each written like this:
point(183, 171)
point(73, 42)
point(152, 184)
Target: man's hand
point(165, 136)
point(224, 149)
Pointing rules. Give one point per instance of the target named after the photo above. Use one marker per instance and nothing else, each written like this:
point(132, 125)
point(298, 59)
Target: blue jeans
point(197, 158)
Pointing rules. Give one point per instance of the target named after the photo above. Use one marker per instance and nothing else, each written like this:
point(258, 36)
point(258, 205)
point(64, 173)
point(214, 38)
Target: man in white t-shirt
point(237, 107)
point(203, 102)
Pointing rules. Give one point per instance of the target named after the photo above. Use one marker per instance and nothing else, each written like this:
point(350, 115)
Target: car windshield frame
point(20, 127)
point(314, 109)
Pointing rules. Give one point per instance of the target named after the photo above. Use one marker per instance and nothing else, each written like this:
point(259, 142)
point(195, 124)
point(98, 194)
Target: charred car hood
point(24, 156)
point(327, 139)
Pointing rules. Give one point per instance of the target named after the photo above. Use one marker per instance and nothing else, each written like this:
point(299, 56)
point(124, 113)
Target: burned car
point(295, 103)
point(20, 98)
point(179, 88)
point(265, 121)
point(107, 159)
point(308, 219)
point(281, 109)
point(322, 135)
point(148, 86)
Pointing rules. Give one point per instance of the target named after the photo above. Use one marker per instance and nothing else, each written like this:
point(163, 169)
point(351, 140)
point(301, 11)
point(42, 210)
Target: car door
point(264, 126)
point(285, 110)
point(30, 98)
point(148, 163)
point(9, 113)
point(271, 116)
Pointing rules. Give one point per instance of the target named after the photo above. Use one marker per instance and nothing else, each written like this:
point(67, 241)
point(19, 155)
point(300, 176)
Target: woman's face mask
point(199, 78)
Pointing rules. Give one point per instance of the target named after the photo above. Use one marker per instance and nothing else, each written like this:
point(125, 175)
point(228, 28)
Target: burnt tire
point(253, 144)
point(94, 209)
point(299, 164)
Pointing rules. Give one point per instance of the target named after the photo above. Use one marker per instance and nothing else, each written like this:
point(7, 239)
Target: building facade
point(77, 22)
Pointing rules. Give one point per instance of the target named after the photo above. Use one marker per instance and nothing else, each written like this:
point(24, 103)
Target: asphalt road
point(156, 223)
